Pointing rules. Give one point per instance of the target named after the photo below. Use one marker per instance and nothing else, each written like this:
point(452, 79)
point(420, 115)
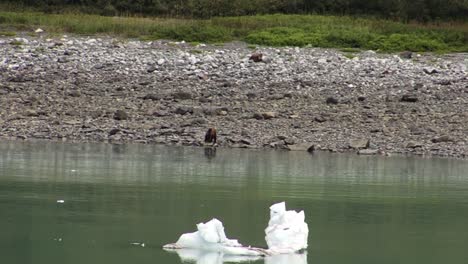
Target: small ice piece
point(138, 244)
point(59, 239)
point(60, 201)
point(39, 30)
point(73, 170)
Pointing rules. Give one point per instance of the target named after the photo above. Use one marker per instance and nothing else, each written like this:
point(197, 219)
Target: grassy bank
point(273, 30)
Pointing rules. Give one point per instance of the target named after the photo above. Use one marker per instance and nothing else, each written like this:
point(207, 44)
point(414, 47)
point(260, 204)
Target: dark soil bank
point(105, 89)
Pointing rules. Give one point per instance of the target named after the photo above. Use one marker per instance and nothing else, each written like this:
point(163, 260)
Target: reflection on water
point(209, 257)
point(210, 152)
point(359, 209)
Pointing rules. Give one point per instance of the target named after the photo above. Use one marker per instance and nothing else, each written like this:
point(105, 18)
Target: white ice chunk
point(60, 201)
point(210, 236)
point(286, 232)
point(138, 244)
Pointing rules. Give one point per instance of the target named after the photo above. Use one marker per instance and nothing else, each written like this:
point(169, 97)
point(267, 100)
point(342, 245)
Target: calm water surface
point(359, 209)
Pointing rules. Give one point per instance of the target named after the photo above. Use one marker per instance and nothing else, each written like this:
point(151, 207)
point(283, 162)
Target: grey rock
point(245, 141)
point(430, 71)
point(62, 60)
point(31, 113)
point(114, 131)
point(153, 97)
point(120, 115)
point(198, 122)
point(160, 113)
point(213, 111)
point(269, 115)
point(74, 93)
point(151, 69)
point(409, 98)
point(204, 100)
point(309, 147)
point(368, 152)
point(320, 119)
point(258, 116)
point(406, 55)
point(442, 139)
point(182, 110)
point(182, 95)
point(414, 144)
point(332, 100)
point(359, 143)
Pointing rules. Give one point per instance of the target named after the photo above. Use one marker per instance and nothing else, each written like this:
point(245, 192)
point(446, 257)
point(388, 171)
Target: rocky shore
point(113, 90)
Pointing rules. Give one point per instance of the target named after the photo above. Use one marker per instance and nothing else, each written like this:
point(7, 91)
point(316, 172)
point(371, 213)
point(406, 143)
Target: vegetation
point(403, 10)
point(276, 30)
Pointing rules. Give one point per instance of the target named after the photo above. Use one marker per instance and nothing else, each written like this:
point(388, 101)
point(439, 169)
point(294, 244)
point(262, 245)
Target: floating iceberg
point(211, 237)
point(286, 233)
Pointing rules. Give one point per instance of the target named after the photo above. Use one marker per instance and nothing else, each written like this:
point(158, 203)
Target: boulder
point(182, 95)
point(120, 115)
point(430, 71)
point(409, 98)
point(182, 110)
point(114, 131)
point(406, 55)
point(332, 100)
point(151, 69)
point(320, 119)
point(359, 143)
point(442, 139)
point(368, 151)
point(74, 93)
point(414, 144)
point(258, 116)
point(153, 97)
point(269, 115)
point(309, 147)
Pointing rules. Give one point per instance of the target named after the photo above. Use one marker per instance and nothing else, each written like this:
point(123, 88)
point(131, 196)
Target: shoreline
point(213, 154)
point(104, 89)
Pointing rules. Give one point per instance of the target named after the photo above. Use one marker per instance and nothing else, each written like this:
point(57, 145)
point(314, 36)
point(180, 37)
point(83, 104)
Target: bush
point(194, 33)
point(398, 42)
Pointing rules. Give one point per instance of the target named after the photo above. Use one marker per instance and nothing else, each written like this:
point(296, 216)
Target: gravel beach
point(103, 89)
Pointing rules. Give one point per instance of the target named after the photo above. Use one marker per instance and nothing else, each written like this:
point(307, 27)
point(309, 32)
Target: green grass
point(7, 33)
point(350, 55)
point(342, 32)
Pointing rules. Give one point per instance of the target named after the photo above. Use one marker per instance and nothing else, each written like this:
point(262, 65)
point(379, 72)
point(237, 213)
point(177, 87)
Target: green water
point(359, 209)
